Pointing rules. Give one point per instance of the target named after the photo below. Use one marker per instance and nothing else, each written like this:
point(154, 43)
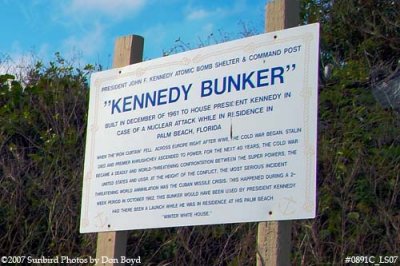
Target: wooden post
point(274, 238)
point(274, 243)
point(112, 245)
point(128, 50)
point(282, 14)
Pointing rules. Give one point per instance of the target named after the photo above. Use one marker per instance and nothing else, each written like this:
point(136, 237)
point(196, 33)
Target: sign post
point(274, 238)
point(128, 50)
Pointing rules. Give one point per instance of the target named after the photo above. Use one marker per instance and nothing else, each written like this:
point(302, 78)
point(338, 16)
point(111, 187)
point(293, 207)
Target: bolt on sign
point(221, 134)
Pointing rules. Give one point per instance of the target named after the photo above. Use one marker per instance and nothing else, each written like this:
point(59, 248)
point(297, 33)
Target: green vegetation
point(42, 137)
point(359, 140)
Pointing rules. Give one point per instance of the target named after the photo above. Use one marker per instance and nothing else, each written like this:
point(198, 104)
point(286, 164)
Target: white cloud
point(196, 10)
point(89, 44)
point(114, 8)
point(197, 14)
point(17, 63)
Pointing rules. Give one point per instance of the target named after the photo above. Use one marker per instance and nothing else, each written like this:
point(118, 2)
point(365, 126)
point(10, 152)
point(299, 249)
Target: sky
point(84, 31)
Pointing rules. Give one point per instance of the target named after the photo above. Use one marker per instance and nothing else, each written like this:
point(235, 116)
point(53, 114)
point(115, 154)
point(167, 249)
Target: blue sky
point(86, 29)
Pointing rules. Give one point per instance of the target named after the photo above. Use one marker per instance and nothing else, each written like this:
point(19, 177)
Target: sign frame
point(111, 92)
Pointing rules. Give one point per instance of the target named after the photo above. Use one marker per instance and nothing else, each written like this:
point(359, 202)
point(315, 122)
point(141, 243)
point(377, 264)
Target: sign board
point(222, 134)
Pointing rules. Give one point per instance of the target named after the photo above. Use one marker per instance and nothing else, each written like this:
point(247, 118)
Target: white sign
point(222, 134)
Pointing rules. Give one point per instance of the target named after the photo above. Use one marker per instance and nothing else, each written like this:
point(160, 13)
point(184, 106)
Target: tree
point(359, 154)
point(42, 136)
